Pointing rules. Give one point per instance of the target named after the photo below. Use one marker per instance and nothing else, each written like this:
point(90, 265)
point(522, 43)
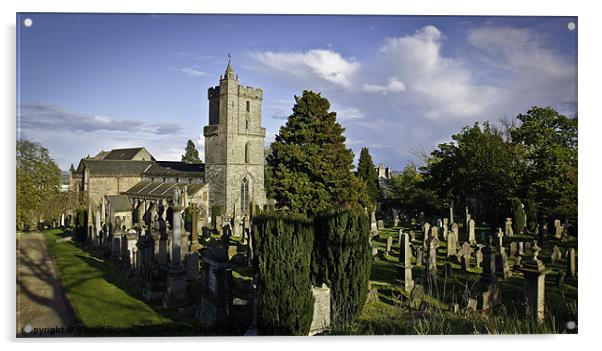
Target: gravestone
point(192, 266)
point(500, 239)
point(557, 229)
point(521, 248)
point(479, 255)
point(471, 305)
point(556, 254)
point(513, 249)
point(431, 265)
point(404, 268)
point(389, 244)
point(451, 214)
point(501, 264)
point(419, 256)
point(373, 225)
point(451, 244)
point(508, 227)
point(466, 256)
point(445, 229)
point(321, 317)
point(435, 233)
point(491, 297)
point(425, 231)
point(216, 296)
point(412, 235)
point(471, 229)
point(489, 254)
point(175, 294)
point(571, 263)
point(534, 272)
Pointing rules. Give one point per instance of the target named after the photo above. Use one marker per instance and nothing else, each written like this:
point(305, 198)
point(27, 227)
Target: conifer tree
point(367, 172)
point(191, 154)
point(309, 166)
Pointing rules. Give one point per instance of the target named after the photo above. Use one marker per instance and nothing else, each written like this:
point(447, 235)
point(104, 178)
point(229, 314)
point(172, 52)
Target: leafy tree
point(548, 141)
point(478, 167)
point(191, 154)
point(38, 181)
point(308, 166)
point(407, 193)
point(367, 172)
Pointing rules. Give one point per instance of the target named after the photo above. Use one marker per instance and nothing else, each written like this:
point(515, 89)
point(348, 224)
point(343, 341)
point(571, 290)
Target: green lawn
point(100, 293)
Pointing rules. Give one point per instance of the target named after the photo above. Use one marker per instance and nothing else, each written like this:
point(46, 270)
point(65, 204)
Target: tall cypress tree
point(367, 172)
point(309, 167)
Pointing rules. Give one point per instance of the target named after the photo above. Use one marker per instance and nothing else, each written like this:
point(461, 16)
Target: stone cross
point(425, 232)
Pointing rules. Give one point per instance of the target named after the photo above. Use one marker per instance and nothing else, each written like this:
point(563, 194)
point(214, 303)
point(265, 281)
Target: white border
point(589, 194)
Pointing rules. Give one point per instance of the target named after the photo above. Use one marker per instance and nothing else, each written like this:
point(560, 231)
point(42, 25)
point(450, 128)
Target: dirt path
point(40, 302)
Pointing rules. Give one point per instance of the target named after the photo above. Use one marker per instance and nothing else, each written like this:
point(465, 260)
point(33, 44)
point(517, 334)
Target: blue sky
point(88, 82)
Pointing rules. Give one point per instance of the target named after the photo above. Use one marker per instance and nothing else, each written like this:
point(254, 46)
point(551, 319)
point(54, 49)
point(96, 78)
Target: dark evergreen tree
point(518, 215)
point(342, 259)
point(191, 154)
point(367, 172)
point(282, 248)
point(308, 166)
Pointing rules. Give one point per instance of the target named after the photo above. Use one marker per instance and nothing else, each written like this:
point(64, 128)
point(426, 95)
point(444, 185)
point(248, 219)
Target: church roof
point(115, 167)
point(155, 190)
point(175, 168)
point(123, 154)
point(119, 203)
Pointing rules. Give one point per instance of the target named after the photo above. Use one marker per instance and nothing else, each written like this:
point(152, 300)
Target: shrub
point(282, 247)
point(342, 259)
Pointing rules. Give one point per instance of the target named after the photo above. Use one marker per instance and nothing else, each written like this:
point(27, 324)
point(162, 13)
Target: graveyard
point(454, 299)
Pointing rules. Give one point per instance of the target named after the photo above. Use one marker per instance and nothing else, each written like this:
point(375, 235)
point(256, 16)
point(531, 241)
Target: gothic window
point(247, 152)
point(244, 195)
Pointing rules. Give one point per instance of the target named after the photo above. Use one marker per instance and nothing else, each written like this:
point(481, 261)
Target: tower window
point(248, 106)
point(247, 124)
point(247, 152)
point(244, 195)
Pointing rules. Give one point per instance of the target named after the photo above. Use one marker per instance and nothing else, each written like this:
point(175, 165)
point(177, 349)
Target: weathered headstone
point(508, 227)
point(431, 266)
point(404, 269)
point(499, 238)
point(373, 225)
point(479, 255)
point(435, 233)
point(471, 229)
point(491, 297)
point(321, 317)
point(513, 249)
point(419, 256)
point(216, 297)
point(571, 263)
point(557, 229)
point(535, 284)
point(451, 243)
point(556, 254)
point(389, 244)
point(425, 231)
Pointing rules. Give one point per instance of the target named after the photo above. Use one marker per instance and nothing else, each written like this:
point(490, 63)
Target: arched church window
point(244, 195)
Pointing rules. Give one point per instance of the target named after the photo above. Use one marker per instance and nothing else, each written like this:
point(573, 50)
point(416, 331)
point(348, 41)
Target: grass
point(395, 315)
point(101, 295)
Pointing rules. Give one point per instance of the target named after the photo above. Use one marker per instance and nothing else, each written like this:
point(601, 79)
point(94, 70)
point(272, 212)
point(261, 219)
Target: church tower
point(234, 147)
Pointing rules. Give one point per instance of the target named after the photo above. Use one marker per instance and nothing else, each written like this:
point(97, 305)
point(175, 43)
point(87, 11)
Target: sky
point(399, 84)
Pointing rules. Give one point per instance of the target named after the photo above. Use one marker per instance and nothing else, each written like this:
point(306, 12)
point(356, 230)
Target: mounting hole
point(27, 22)
point(28, 328)
point(570, 325)
point(571, 26)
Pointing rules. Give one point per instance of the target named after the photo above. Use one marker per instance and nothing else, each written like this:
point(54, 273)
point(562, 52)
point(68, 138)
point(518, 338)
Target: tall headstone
point(445, 228)
point(373, 225)
point(431, 265)
point(419, 256)
point(489, 254)
point(435, 233)
point(479, 255)
point(404, 269)
point(175, 294)
point(425, 231)
point(535, 285)
point(508, 227)
point(471, 229)
point(389, 244)
point(571, 263)
point(557, 229)
point(451, 214)
point(499, 239)
point(451, 244)
point(321, 316)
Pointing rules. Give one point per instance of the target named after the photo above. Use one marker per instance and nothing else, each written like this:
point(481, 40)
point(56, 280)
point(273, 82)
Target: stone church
point(122, 182)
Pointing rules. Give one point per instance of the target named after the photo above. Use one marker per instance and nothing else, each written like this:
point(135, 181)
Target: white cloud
point(347, 113)
point(325, 64)
point(189, 71)
point(394, 86)
point(443, 86)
